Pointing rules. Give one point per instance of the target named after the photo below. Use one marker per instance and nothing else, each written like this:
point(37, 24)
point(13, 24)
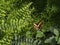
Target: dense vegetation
point(17, 18)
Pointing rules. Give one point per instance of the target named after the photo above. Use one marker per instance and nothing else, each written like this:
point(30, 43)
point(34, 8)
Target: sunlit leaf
point(39, 34)
point(56, 32)
point(49, 40)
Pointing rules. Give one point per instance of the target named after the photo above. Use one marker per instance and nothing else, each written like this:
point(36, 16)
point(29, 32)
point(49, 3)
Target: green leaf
point(28, 34)
point(35, 41)
point(39, 34)
point(56, 32)
point(56, 38)
point(23, 43)
point(49, 40)
point(58, 41)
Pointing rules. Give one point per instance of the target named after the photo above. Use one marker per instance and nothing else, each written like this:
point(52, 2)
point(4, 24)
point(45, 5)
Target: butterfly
point(38, 26)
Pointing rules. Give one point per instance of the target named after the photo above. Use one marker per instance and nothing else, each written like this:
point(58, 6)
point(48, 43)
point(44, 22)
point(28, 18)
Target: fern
point(15, 21)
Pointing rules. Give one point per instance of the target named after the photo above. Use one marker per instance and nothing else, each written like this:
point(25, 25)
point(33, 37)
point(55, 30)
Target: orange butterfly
point(38, 26)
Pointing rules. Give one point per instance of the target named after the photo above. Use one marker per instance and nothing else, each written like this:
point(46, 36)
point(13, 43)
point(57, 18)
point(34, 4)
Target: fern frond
point(14, 23)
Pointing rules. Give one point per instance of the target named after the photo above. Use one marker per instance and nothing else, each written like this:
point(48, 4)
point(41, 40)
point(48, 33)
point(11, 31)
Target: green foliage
point(17, 18)
point(49, 40)
point(39, 34)
point(13, 23)
point(56, 32)
point(28, 34)
point(58, 41)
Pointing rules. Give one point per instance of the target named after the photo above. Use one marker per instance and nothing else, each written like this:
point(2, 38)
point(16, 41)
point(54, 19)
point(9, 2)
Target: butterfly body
point(38, 26)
